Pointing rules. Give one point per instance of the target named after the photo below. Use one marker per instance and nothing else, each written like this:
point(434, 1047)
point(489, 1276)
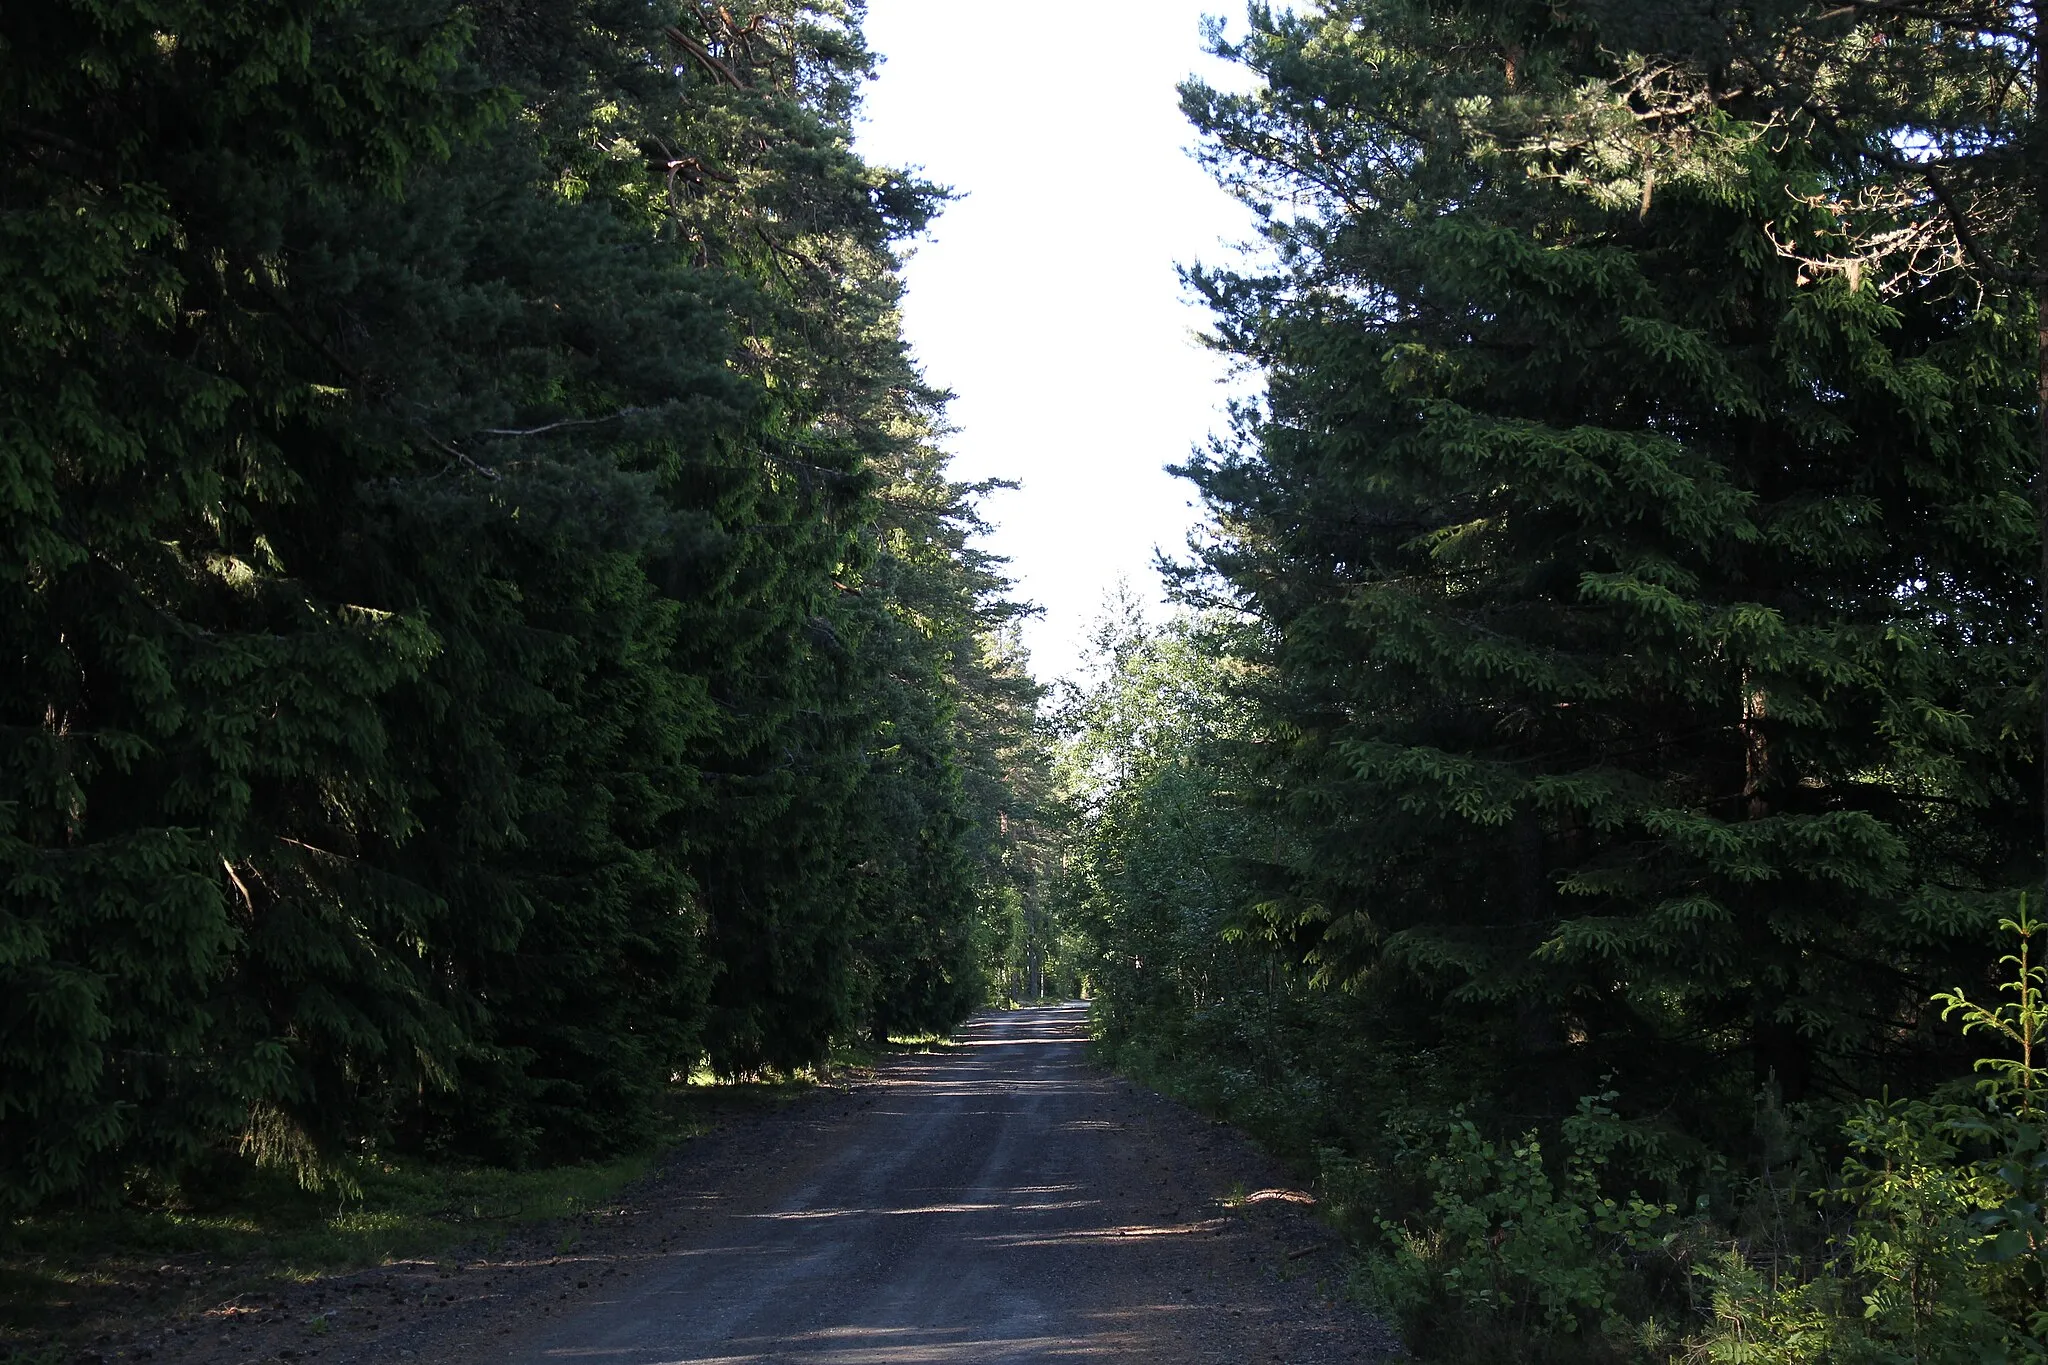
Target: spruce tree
point(470, 641)
point(167, 676)
point(1646, 624)
point(1931, 117)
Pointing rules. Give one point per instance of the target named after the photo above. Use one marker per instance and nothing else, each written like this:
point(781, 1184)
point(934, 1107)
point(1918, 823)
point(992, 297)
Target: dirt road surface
point(998, 1201)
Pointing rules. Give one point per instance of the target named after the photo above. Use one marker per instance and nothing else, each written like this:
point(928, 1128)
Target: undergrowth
point(1891, 1232)
point(233, 1227)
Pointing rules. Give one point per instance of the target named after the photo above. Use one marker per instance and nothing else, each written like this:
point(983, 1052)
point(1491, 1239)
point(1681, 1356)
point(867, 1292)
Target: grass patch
point(860, 1058)
point(66, 1276)
point(923, 1042)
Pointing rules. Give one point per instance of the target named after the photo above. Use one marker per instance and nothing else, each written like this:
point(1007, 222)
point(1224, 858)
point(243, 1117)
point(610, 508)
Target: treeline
point(487, 628)
point(1576, 814)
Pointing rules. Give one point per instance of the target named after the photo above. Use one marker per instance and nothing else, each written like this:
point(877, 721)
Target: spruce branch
point(565, 422)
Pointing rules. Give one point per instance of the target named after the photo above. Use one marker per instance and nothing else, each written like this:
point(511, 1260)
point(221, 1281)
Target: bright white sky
point(1046, 299)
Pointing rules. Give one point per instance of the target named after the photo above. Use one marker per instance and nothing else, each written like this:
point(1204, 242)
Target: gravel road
point(996, 1201)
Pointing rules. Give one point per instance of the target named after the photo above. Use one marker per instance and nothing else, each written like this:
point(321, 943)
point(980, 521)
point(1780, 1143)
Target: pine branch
point(703, 54)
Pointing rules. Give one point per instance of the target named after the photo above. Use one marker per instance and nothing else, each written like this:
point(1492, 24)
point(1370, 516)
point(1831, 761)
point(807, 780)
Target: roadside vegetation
point(1588, 813)
point(238, 1230)
point(67, 1277)
point(492, 641)
point(489, 633)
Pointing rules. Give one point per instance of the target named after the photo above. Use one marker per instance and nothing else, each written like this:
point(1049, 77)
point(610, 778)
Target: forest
point(489, 627)
point(1589, 809)
point(492, 636)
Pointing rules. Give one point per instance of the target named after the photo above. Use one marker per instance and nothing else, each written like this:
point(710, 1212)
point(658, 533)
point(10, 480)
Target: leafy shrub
point(1525, 1255)
point(1945, 1254)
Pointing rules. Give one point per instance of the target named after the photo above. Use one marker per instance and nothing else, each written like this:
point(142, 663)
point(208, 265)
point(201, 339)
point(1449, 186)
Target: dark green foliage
point(1628, 705)
point(184, 721)
point(1647, 625)
point(465, 652)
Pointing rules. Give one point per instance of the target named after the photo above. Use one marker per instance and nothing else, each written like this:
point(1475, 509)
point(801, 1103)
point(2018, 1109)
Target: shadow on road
point(1000, 1201)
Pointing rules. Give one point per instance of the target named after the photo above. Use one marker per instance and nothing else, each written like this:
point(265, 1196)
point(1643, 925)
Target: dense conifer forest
point(1589, 811)
point(489, 629)
point(491, 634)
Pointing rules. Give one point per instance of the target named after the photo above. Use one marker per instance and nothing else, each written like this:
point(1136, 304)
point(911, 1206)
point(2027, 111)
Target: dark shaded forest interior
point(494, 647)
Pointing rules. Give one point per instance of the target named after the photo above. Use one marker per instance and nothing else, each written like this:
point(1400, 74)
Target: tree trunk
point(2041, 510)
point(2037, 168)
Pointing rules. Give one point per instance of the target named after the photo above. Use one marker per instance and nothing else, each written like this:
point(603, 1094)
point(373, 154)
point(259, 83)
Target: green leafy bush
point(1520, 1251)
point(1941, 1260)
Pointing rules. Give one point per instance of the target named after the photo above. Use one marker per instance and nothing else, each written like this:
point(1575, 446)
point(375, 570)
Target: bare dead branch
point(563, 423)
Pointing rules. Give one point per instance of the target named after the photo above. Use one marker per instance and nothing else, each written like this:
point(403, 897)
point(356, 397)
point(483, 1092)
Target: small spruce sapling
point(2014, 1083)
point(1946, 1247)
